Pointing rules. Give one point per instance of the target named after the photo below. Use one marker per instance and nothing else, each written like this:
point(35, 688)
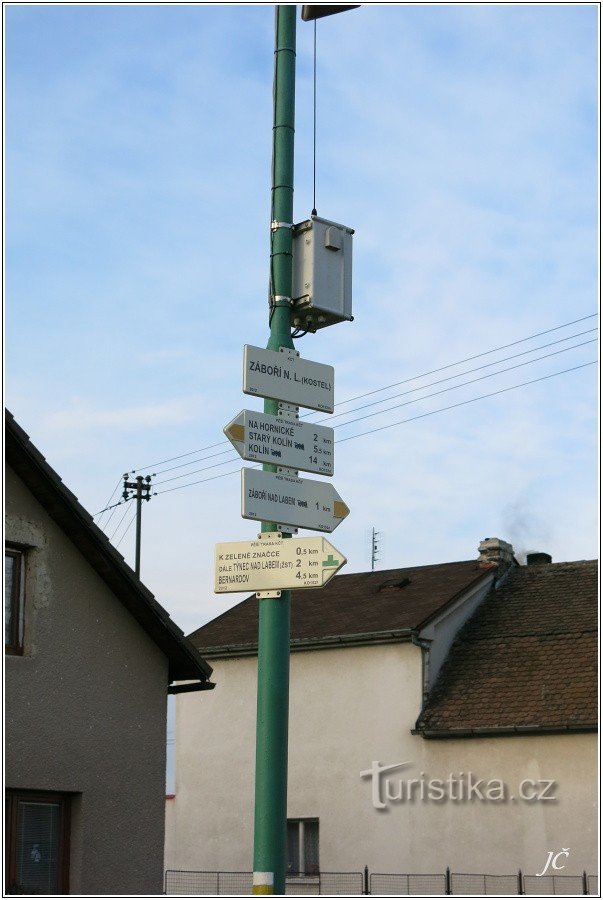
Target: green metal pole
point(270, 829)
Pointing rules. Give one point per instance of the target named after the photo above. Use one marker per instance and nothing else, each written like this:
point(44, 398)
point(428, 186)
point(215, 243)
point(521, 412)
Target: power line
point(462, 384)
point(470, 359)
point(228, 450)
point(403, 421)
point(466, 372)
point(119, 524)
point(192, 463)
point(172, 458)
point(465, 402)
point(397, 405)
point(113, 507)
point(387, 387)
point(128, 526)
point(109, 500)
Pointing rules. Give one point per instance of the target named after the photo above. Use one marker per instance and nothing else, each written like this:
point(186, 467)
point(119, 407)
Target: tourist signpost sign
point(285, 376)
point(287, 500)
point(259, 437)
point(271, 563)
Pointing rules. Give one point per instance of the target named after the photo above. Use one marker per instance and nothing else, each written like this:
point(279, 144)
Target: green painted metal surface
point(270, 826)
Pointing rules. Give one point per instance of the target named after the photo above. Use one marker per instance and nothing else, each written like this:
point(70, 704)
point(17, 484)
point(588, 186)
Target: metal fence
point(379, 884)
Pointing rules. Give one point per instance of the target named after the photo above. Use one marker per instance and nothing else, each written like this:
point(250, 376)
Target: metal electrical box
point(322, 274)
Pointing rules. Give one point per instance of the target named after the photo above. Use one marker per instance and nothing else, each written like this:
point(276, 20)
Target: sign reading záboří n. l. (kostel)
point(285, 376)
point(271, 563)
point(286, 500)
point(260, 437)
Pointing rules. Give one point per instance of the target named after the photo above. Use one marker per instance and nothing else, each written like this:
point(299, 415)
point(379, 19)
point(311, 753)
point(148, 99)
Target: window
point(14, 582)
point(37, 843)
point(302, 847)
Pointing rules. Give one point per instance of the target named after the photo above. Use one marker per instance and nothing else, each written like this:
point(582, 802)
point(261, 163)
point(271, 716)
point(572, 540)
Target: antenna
point(374, 548)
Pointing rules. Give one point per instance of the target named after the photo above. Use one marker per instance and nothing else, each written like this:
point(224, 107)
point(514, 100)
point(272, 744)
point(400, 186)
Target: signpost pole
point(270, 825)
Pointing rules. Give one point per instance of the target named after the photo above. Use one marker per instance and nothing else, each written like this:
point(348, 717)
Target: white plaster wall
point(349, 707)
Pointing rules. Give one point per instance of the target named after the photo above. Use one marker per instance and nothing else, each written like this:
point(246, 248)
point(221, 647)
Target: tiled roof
point(363, 603)
point(25, 459)
point(527, 659)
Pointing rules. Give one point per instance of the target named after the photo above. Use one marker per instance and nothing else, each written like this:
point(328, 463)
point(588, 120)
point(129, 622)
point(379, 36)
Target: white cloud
point(80, 417)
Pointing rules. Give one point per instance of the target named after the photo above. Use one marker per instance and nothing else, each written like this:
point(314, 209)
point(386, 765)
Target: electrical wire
point(314, 130)
point(173, 458)
point(453, 387)
point(394, 384)
point(113, 507)
point(468, 359)
point(466, 402)
point(232, 454)
point(128, 526)
point(119, 524)
point(108, 501)
point(203, 469)
point(404, 421)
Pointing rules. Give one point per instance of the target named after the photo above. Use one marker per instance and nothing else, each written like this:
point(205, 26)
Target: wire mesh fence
point(379, 884)
point(464, 883)
point(570, 885)
point(401, 885)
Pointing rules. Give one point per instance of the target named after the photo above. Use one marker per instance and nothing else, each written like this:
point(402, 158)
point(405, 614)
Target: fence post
point(448, 881)
point(584, 882)
point(520, 889)
point(365, 881)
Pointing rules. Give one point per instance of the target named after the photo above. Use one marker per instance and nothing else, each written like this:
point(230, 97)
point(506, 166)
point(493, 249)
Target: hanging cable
point(398, 383)
point(467, 359)
point(119, 524)
point(402, 422)
point(231, 454)
point(108, 501)
point(314, 213)
point(466, 402)
point(467, 372)
point(128, 526)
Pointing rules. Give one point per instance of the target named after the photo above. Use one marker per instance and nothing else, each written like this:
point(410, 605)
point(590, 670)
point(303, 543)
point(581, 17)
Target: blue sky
point(459, 141)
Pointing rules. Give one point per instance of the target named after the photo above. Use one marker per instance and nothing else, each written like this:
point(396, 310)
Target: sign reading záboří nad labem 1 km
point(288, 500)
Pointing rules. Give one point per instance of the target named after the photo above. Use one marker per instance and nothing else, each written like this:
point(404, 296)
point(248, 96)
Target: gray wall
point(86, 709)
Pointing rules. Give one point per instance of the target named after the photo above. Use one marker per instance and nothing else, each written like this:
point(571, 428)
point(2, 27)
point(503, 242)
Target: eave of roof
point(502, 730)
point(352, 608)
point(185, 661)
point(525, 662)
point(327, 642)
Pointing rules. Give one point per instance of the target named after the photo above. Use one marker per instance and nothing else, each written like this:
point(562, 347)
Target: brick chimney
point(494, 550)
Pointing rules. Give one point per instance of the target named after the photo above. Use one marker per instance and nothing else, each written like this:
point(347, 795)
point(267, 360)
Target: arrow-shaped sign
point(271, 563)
point(287, 500)
point(260, 437)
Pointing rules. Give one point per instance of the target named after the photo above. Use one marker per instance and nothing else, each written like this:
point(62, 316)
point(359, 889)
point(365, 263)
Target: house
point(441, 715)
point(89, 659)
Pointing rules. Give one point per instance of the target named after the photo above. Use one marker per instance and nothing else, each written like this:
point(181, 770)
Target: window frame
point(17, 600)
point(12, 800)
point(301, 827)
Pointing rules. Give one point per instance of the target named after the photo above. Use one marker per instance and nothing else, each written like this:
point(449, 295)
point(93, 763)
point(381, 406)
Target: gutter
point(191, 686)
point(501, 731)
point(424, 647)
point(394, 636)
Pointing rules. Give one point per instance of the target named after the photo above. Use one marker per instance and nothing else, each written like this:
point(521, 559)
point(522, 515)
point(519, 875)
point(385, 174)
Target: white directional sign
point(272, 563)
point(285, 442)
point(284, 376)
point(287, 500)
